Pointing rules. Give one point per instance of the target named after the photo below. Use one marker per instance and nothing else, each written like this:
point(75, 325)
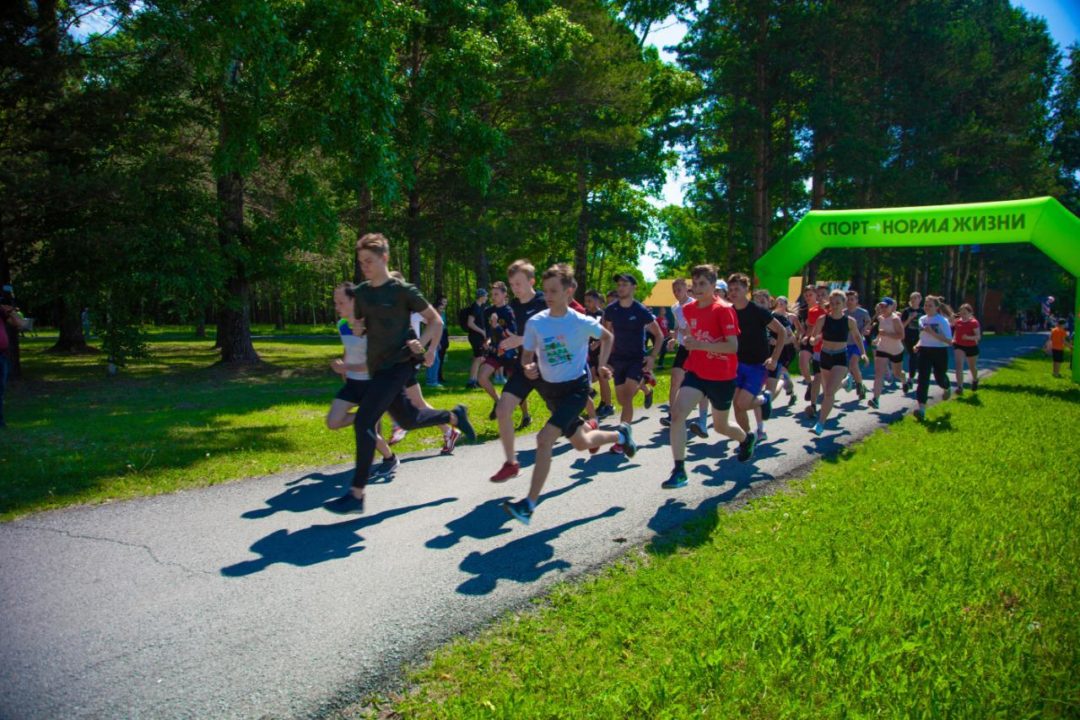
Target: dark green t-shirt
point(385, 310)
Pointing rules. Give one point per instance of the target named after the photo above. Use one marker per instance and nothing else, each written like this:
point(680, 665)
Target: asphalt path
point(249, 600)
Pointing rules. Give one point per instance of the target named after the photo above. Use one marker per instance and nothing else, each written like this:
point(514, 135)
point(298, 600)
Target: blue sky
point(1062, 17)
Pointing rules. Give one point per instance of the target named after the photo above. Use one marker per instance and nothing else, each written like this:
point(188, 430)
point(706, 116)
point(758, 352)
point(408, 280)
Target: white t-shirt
point(940, 324)
point(680, 322)
point(355, 352)
point(414, 321)
point(561, 344)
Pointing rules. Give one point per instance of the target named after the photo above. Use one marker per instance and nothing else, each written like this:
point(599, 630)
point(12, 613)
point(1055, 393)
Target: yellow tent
point(661, 295)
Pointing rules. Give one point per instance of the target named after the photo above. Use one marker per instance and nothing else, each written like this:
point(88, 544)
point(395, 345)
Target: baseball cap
point(721, 285)
point(481, 291)
point(888, 301)
point(625, 277)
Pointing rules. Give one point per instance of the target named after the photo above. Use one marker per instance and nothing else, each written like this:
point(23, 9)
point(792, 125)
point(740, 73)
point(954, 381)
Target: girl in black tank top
point(837, 331)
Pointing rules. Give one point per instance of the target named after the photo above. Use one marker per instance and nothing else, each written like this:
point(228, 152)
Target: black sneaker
point(346, 505)
point(665, 421)
point(746, 447)
point(974, 385)
point(628, 445)
point(519, 510)
point(494, 415)
point(766, 407)
point(604, 410)
point(676, 480)
point(648, 400)
point(806, 395)
point(463, 424)
point(874, 403)
point(386, 468)
point(526, 421)
point(698, 430)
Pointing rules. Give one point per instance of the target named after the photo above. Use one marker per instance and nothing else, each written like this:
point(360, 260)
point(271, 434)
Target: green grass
point(175, 421)
point(929, 572)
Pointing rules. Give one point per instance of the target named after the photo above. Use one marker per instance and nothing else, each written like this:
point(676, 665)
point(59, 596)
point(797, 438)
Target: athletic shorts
point(718, 392)
point(815, 364)
point(352, 391)
point(624, 370)
point(837, 358)
point(412, 379)
point(897, 358)
point(566, 401)
point(680, 357)
point(804, 346)
point(1058, 355)
point(969, 350)
point(497, 363)
point(517, 384)
point(786, 356)
point(750, 378)
point(852, 352)
point(476, 342)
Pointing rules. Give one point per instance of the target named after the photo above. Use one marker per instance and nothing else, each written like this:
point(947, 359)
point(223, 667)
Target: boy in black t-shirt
point(475, 324)
point(755, 359)
point(910, 319)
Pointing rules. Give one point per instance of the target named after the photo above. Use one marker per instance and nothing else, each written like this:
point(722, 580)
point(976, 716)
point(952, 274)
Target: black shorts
point(718, 392)
point(680, 357)
point(897, 358)
point(566, 401)
point(476, 342)
point(1058, 355)
point(786, 356)
point(352, 391)
point(624, 370)
point(837, 358)
point(412, 379)
point(969, 350)
point(804, 346)
point(518, 384)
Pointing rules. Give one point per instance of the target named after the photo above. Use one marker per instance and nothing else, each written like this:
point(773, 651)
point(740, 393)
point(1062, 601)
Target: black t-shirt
point(628, 325)
point(500, 322)
point(911, 331)
point(525, 310)
point(753, 334)
point(785, 321)
point(385, 310)
point(479, 314)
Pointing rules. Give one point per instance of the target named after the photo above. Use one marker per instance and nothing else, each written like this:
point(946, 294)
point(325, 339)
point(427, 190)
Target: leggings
point(386, 393)
point(936, 359)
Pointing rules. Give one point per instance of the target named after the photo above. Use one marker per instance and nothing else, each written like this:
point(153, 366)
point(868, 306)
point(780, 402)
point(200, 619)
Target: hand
point(532, 371)
point(691, 343)
point(650, 362)
point(415, 347)
point(338, 366)
point(863, 359)
point(770, 364)
point(606, 372)
point(429, 357)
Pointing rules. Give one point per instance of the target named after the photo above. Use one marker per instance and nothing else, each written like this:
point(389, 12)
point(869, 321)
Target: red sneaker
point(592, 425)
point(617, 449)
point(450, 440)
point(507, 471)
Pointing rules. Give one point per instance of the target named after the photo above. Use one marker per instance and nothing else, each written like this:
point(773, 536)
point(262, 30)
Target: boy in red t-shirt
point(1057, 344)
point(710, 369)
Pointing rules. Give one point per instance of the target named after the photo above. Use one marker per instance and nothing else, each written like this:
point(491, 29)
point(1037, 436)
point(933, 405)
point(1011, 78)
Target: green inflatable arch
point(1043, 222)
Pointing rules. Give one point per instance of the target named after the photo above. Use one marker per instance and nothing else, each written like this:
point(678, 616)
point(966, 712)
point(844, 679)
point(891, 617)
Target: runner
point(555, 352)
point(966, 337)
point(935, 337)
point(594, 308)
point(678, 334)
point(1056, 345)
point(384, 303)
point(889, 347)
point(794, 327)
point(818, 310)
point(354, 372)
point(527, 302)
point(755, 360)
point(476, 326)
point(779, 312)
point(710, 369)
point(833, 332)
point(500, 322)
point(862, 321)
point(628, 320)
point(910, 317)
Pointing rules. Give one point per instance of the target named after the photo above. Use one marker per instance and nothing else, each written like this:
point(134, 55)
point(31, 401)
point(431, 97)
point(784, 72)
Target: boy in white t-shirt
point(555, 354)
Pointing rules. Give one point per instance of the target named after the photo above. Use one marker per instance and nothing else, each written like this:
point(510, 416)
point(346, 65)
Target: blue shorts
point(750, 378)
point(852, 351)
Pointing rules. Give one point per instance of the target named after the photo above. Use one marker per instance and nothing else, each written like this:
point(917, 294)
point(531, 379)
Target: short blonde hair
point(374, 242)
point(521, 266)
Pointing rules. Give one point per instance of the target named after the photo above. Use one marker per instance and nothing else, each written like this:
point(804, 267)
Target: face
point(822, 296)
point(372, 264)
point(915, 300)
point(965, 313)
point(930, 306)
point(625, 290)
point(809, 295)
point(852, 301)
point(521, 284)
point(702, 288)
point(836, 302)
point(498, 296)
point(592, 304)
point(781, 306)
point(481, 299)
point(680, 292)
point(555, 294)
point(761, 300)
point(343, 304)
point(736, 291)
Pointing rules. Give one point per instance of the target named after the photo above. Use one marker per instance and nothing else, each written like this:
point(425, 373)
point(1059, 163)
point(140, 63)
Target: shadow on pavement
point(524, 560)
point(317, 543)
point(301, 496)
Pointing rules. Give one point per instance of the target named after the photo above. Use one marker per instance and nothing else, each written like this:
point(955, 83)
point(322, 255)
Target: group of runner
point(733, 350)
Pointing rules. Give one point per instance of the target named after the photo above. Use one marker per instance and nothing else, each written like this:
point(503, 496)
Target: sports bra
point(835, 329)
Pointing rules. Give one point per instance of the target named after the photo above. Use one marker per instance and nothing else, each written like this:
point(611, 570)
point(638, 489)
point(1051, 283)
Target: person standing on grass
point(500, 325)
point(353, 370)
point(555, 351)
point(712, 364)
point(594, 308)
point(1056, 345)
point(935, 337)
point(889, 347)
point(9, 324)
point(682, 297)
point(755, 360)
point(476, 325)
point(910, 318)
point(966, 337)
point(628, 320)
point(862, 320)
point(384, 304)
point(526, 303)
point(834, 332)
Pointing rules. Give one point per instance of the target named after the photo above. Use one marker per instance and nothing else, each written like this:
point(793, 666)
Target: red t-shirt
point(713, 323)
point(812, 316)
point(575, 305)
point(964, 332)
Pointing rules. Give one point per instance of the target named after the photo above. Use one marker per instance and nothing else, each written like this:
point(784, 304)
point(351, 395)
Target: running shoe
point(494, 414)
point(592, 425)
point(946, 393)
point(766, 405)
point(526, 421)
point(907, 386)
point(519, 510)
point(386, 468)
point(791, 400)
point(507, 471)
point(462, 414)
point(789, 387)
point(746, 447)
point(698, 429)
point(959, 390)
point(629, 447)
point(874, 403)
point(449, 440)
point(346, 505)
point(761, 435)
point(818, 428)
point(666, 421)
point(397, 436)
point(974, 385)
point(676, 480)
point(861, 391)
point(617, 449)
point(920, 414)
point(604, 410)
point(810, 411)
point(806, 395)
point(848, 384)
point(648, 399)
point(472, 385)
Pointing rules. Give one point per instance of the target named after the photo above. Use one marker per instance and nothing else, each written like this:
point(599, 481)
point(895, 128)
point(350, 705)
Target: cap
point(481, 291)
point(721, 285)
point(625, 277)
point(888, 301)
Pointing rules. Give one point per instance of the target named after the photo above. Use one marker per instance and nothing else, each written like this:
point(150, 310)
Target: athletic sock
point(680, 465)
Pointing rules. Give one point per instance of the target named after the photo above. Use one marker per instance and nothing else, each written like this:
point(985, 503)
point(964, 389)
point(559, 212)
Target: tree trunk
point(439, 288)
point(483, 272)
point(965, 278)
point(581, 247)
point(234, 322)
point(980, 292)
point(71, 338)
point(364, 205)
point(763, 136)
point(729, 249)
point(413, 230)
point(200, 324)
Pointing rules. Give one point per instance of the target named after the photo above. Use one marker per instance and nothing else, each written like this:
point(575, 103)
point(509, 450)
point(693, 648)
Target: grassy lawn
point(929, 572)
point(175, 421)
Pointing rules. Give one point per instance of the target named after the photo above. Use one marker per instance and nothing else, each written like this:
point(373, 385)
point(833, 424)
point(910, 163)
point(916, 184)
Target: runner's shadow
point(524, 560)
point(317, 543)
point(588, 467)
point(828, 446)
point(301, 496)
point(938, 424)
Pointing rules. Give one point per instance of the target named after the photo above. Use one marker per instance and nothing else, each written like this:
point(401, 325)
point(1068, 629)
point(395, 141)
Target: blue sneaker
point(766, 406)
point(676, 481)
point(746, 447)
point(818, 428)
point(346, 505)
point(463, 424)
point(519, 510)
point(629, 447)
